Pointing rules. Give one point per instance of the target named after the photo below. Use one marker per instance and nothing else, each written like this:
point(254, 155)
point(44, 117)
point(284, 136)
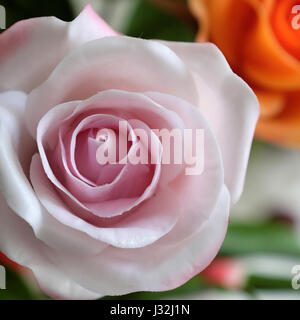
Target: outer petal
point(12, 109)
point(144, 226)
point(159, 267)
point(18, 243)
point(31, 49)
point(198, 193)
point(15, 144)
point(112, 63)
point(227, 103)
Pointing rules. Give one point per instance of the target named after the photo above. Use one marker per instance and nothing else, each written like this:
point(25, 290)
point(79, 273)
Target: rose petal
point(158, 267)
point(229, 106)
point(18, 193)
point(274, 67)
point(144, 226)
point(111, 63)
point(12, 109)
point(19, 244)
point(284, 129)
point(200, 191)
point(32, 48)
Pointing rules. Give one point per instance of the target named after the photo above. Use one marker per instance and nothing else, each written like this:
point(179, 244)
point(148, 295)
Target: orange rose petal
point(199, 10)
point(285, 128)
point(271, 104)
point(242, 29)
point(282, 23)
point(262, 47)
point(228, 20)
point(266, 62)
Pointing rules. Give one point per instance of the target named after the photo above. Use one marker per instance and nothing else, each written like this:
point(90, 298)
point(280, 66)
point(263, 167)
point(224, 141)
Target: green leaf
point(258, 282)
point(260, 237)
point(16, 289)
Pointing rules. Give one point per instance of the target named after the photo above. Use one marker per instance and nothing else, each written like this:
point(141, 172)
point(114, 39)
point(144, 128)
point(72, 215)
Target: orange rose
point(261, 41)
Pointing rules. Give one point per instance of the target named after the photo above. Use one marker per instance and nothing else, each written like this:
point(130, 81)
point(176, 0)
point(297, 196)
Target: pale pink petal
point(116, 188)
point(145, 225)
point(227, 103)
point(111, 63)
point(99, 200)
point(81, 147)
point(31, 48)
point(18, 242)
point(199, 192)
point(188, 188)
point(85, 163)
point(131, 105)
point(162, 266)
point(18, 193)
point(115, 102)
point(12, 110)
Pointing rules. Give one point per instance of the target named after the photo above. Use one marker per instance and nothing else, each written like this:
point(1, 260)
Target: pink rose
point(88, 229)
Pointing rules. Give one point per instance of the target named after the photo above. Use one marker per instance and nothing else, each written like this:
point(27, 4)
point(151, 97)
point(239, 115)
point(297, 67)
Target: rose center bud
point(101, 137)
point(107, 150)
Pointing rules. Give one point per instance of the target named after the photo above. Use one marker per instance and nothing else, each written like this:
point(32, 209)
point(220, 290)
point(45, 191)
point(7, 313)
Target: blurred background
point(262, 246)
